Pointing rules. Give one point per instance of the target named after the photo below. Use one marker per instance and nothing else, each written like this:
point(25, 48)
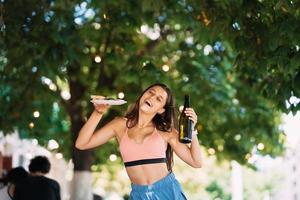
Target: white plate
point(109, 101)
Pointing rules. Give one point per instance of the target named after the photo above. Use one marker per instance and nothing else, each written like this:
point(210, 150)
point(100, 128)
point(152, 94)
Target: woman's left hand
point(192, 115)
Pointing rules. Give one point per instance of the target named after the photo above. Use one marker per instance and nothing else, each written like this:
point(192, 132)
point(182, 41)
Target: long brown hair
point(163, 122)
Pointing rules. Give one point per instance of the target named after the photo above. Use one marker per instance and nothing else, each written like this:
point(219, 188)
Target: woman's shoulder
point(119, 126)
point(168, 135)
point(171, 131)
point(119, 121)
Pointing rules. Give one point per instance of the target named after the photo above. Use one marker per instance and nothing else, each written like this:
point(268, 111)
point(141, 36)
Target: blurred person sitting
point(14, 176)
point(36, 186)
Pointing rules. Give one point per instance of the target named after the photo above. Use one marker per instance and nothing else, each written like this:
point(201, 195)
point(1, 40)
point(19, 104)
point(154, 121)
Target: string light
point(31, 125)
point(36, 114)
point(121, 95)
point(207, 50)
point(52, 87)
point(260, 146)
point(248, 156)
point(112, 157)
point(237, 137)
point(97, 26)
point(165, 68)
point(65, 94)
point(211, 151)
point(97, 59)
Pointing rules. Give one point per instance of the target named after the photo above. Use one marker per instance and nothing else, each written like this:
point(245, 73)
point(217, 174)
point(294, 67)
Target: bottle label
point(181, 131)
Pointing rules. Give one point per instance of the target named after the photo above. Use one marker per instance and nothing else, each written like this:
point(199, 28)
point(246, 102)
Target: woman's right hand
point(101, 108)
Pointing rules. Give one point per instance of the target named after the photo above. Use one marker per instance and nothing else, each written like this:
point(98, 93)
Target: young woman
point(147, 137)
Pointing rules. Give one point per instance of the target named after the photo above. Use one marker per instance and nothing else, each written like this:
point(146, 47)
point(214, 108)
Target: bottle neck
point(186, 101)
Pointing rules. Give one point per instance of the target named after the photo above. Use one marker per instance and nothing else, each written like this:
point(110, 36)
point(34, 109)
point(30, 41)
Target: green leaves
point(239, 61)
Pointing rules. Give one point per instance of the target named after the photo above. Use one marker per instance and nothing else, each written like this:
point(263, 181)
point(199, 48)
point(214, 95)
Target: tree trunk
point(82, 180)
point(82, 186)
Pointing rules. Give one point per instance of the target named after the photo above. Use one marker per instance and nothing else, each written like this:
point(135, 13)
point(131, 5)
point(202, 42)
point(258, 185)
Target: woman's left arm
point(189, 153)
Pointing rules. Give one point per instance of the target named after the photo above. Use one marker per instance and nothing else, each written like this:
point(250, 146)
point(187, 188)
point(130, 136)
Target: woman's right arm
point(89, 138)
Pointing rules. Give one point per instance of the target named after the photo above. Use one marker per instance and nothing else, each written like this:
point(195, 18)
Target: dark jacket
point(37, 188)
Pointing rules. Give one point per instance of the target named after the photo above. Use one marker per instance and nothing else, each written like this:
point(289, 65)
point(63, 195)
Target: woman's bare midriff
point(147, 174)
point(142, 174)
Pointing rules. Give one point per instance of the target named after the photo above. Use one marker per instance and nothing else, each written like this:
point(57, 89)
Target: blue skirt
point(167, 188)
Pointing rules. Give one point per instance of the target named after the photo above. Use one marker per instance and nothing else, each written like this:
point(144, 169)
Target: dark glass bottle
point(185, 124)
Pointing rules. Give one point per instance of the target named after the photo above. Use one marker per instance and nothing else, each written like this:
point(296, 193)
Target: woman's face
point(153, 100)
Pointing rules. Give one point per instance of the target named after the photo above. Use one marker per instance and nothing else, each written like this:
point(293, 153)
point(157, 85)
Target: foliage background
point(238, 59)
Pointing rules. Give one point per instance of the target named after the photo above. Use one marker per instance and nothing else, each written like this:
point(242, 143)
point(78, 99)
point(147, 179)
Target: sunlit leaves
point(239, 61)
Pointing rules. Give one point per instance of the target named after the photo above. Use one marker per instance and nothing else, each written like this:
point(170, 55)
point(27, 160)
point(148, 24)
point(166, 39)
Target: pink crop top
point(152, 150)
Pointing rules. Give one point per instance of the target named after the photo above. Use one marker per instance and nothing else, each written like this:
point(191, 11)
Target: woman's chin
point(146, 109)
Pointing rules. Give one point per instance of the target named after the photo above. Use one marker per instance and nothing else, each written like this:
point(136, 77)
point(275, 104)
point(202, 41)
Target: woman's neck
point(144, 120)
